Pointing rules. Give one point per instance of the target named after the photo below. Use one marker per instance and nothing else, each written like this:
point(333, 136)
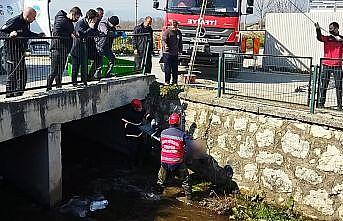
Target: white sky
point(125, 9)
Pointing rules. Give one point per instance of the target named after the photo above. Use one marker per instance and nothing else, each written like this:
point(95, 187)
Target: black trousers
point(76, 63)
point(324, 83)
point(139, 62)
point(171, 68)
point(58, 62)
point(137, 152)
point(16, 71)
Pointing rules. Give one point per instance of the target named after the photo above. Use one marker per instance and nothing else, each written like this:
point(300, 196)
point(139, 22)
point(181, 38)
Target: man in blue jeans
point(172, 46)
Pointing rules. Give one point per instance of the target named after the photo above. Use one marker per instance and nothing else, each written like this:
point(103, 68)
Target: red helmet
point(135, 103)
point(174, 119)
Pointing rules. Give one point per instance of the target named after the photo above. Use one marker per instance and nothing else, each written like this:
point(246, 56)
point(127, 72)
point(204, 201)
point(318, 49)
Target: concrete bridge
point(30, 130)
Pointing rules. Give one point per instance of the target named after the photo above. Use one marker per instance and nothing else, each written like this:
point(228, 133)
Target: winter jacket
point(106, 36)
point(140, 41)
point(22, 27)
point(174, 144)
point(332, 49)
point(132, 120)
point(84, 32)
point(63, 28)
point(172, 42)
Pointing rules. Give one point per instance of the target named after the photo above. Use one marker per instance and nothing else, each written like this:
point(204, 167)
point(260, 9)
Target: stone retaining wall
point(284, 157)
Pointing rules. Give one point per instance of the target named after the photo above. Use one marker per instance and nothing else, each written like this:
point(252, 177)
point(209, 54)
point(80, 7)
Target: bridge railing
point(27, 63)
point(286, 79)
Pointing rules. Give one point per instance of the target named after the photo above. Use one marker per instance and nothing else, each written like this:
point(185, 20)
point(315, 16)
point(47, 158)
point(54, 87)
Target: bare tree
point(262, 7)
point(289, 6)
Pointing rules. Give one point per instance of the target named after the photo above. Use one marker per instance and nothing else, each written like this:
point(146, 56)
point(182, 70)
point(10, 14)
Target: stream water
point(90, 169)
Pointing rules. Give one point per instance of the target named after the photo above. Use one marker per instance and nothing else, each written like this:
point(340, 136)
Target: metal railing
point(284, 79)
point(28, 63)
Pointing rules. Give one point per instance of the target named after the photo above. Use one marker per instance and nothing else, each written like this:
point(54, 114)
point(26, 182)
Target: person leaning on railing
point(61, 46)
point(18, 31)
point(107, 30)
point(332, 63)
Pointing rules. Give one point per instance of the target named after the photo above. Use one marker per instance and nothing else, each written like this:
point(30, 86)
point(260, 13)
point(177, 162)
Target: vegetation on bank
point(247, 206)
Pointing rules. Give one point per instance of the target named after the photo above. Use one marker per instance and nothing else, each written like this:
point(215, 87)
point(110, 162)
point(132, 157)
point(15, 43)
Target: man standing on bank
point(15, 48)
point(331, 64)
point(171, 46)
point(140, 43)
point(61, 46)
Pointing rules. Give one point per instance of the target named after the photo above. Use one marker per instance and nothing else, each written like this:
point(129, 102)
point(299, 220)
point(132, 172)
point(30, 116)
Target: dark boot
point(97, 74)
point(109, 70)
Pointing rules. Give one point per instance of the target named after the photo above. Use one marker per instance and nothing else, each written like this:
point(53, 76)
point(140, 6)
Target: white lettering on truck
point(203, 22)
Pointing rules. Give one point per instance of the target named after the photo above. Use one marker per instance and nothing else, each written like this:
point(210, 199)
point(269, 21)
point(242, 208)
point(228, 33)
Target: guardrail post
point(313, 89)
point(145, 57)
point(223, 72)
point(84, 60)
point(220, 62)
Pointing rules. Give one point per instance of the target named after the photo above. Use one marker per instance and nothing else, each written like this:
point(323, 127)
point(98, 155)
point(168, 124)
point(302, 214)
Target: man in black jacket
point(86, 30)
point(132, 119)
point(107, 30)
point(172, 46)
point(60, 47)
point(17, 29)
point(140, 42)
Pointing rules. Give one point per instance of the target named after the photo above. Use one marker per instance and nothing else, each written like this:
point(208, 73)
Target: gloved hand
point(154, 124)
point(123, 35)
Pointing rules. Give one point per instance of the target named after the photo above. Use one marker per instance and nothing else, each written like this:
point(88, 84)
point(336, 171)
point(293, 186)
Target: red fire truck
point(220, 26)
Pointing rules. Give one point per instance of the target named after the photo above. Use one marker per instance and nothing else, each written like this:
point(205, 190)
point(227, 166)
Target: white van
point(11, 8)
point(8, 9)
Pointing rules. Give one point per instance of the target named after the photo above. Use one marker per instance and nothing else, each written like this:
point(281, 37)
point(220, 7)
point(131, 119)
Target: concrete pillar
point(55, 164)
point(33, 164)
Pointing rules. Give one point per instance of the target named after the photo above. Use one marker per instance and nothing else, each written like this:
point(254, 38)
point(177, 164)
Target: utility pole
point(136, 14)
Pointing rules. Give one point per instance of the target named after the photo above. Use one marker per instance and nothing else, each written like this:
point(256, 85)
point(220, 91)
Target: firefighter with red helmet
point(133, 118)
point(174, 145)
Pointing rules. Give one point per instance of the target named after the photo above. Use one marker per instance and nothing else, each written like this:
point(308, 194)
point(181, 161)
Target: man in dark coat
point(17, 29)
point(140, 43)
point(172, 46)
point(86, 29)
point(60, 47)
point(107, 30)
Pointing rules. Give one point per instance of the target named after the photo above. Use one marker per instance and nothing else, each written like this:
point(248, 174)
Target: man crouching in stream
point(174, 144)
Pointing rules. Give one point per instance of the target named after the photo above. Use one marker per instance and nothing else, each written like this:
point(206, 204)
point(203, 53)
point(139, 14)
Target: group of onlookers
point(91, 38)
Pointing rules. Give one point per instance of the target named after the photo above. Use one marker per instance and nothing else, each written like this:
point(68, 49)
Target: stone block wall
point(284, 157)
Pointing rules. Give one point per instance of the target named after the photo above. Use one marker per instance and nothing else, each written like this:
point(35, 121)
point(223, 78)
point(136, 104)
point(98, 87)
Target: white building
point(325, 5)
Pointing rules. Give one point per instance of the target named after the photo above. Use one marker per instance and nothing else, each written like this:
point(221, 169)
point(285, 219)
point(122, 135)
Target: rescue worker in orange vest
point(174, 144)
point(132, 119)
